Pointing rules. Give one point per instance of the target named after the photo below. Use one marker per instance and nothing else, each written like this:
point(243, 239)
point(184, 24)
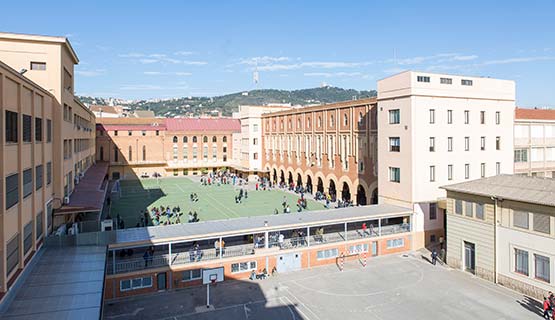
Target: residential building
point(502, 228)
point(48, 145)
point(435, 129)
point(534, 142)
point(329, 148)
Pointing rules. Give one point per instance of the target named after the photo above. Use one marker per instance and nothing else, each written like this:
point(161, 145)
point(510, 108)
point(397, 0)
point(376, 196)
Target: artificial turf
point(215, 202)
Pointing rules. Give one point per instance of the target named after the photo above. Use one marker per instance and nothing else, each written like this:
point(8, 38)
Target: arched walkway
point(375, 196)
point(332, 191)
point(274, 177)
point(309, 184)
point(320, 185)
point(281, 176)
point(299, 180)
point(290, 178)
point(345, 192)
point(361, 196)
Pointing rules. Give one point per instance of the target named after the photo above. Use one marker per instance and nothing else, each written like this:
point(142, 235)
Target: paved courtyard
point(392, 287)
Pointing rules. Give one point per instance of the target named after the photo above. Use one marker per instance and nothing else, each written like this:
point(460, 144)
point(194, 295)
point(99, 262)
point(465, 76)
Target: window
point(521, 262)
point(27, 237)
point(466, 117)
point(214, 139)
point(423, 79)
point(116, 154)
point(174, 139)
point(115, 132)
point(11, 126)
point(129, 133)
point(205, 139)
point(521, 219)
point(224, 139)
point(345, 120)
point(27, 182)
point(458, 206)
point(467, 171)
point(482, 170)
point(144, 153)
point(432, 116)
point(38, 177)
point(446, 81)
point(497, 117)
point(449, 144)
point(48, 130)
point(395, 144)
point(359, 248)
point(48, 173)
point(331, 121)
point(394, 116)
point(432, 144)
point(12, 254)
point(433, 211)
point(466, 143)
point(194, 139)
point(134, 284)
point(395, 243)
point(542, 268)
point(191, 275)
point(130, 157)
point(468, 209)
point(394, 174)
point(432, 173)
point(327, 254)
point(449, 116)
point(143, 133)
point(450, 172)
point(497, 143)
point(255, 141)
point(480, 211)
point(482, 143)
point(255, 156)
point(319, 121)
point(498, 168)
point(243, 266)
point(27, 128)
point(38, 129)
point(38, 65)
point(482, 117)
point(39, 225)
point(466, 82)
point(12, 190)
point(541, 223)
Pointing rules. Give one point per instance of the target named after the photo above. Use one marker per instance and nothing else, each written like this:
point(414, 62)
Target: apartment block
point(438, 129)
point(502, 229)
point(534, 136)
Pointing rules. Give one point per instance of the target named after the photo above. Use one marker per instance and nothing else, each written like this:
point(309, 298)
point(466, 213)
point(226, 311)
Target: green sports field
point(215, 202)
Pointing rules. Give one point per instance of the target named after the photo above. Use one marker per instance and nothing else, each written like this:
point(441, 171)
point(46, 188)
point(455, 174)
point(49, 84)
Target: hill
point(227, 104)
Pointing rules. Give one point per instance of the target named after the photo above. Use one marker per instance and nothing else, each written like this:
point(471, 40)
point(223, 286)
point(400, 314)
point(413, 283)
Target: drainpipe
point(495, 202)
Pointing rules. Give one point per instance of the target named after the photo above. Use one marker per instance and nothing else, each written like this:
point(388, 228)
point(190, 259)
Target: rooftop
point(510, 187)
point(41, 38)
point(237, 226)
point(88, 195)
point(203, 124)
point(534, 114)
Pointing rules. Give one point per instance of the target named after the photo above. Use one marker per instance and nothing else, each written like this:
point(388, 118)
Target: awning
point(89, 193)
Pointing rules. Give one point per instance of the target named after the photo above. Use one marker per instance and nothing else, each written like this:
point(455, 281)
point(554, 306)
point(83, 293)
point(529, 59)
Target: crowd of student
point(549, 306)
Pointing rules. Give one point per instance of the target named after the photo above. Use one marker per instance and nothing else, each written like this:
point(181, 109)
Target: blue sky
point(148, 49)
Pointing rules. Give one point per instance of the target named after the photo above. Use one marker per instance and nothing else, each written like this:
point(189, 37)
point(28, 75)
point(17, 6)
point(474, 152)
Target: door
point(374, 248)
point(288, 262)
point(162, 281)
point(469, 257)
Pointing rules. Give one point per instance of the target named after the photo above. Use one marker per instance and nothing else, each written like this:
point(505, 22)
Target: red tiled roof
point(200, 124)
point(130, 127)
point(535, 114)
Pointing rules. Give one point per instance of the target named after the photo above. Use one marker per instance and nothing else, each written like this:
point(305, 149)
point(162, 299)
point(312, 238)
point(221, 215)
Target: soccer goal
point(351, 258)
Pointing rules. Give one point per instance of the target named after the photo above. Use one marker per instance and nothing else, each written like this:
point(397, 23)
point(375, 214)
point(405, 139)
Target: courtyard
point(389, 287)
point(215, 202)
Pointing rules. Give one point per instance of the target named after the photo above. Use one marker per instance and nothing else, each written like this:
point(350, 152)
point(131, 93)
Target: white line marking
point(290, 309)
point(301, 303)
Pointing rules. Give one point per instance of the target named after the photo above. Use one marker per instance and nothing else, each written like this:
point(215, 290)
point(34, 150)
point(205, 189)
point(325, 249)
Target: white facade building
point(436, 129)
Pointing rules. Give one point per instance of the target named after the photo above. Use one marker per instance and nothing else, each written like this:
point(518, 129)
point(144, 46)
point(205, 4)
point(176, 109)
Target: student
point(434, 257)
point(281, 239)
point(546, 308)
point(217, 247)
point(364, 229)
point(192, 254)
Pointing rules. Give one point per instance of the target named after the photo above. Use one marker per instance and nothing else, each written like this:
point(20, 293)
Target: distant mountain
point(227, 104)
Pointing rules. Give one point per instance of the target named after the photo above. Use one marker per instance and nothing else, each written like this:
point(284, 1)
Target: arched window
point(174, 139)
point(308, 122)
point(194, 139)
point(331, 121)
point(360, 118)
point(224, 139)
point(298, 123)
point(130, 154)
point(214, 139)
point(185, 139)
point(319, 121)
point(281, 124)
point(345, 119)
point(144, 153)
point(289, 123)
point(205, 139)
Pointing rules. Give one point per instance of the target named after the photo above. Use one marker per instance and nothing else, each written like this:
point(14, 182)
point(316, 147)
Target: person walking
point(546, 307)
point(217, 247)
point(281, 239)
point(434, 257)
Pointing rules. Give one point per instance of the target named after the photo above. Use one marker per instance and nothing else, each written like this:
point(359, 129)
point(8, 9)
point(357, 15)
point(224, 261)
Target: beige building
point(435, 129)
point(48, 143)
point(502, 228)
point(534, 136)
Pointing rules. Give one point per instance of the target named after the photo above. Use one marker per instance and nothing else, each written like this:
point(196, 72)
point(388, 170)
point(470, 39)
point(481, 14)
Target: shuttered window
point(11, 126)
point(520, 219)
point(39, 176)
point(12, 254)
point(39, 225)
point(48, 173)
point(27, 237)
point(541, 223)
point(12, 190)
point(38, 129)
point(27, 182)
point(26, 128)
point(48, 130)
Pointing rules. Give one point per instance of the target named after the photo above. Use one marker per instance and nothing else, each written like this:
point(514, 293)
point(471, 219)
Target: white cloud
point(158, 73)
point(131, 55)
point(313, 64)
point(517, 60)
point(148, 61)
point(465, 58)
point(263, 60)
point(333, 74)
point(194, 63)
point(90, 73)
point(151, 87)
point(183, 53)
point(158, 58)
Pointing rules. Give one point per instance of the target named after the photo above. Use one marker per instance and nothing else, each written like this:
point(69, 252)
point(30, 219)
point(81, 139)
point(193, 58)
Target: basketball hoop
point(213, 279)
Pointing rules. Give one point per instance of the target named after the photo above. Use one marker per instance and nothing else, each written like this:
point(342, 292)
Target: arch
point(205, 139)
point(224, 139)
point(185, 139)
point(309, 184)
point(299, 179)
point(345, 120)
point(361, 196)
point(331, 121)
point(194, 139)
point(281, 176)
point(374, 199)
point(319, 121)
point(320, 185)
point(174, 139)
point(345, 192)
point(275, 176)
point(290, 178)
point(214, 139)
point(332, 190)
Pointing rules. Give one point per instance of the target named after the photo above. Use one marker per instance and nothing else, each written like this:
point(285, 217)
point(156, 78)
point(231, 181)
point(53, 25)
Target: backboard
point(212, 275)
